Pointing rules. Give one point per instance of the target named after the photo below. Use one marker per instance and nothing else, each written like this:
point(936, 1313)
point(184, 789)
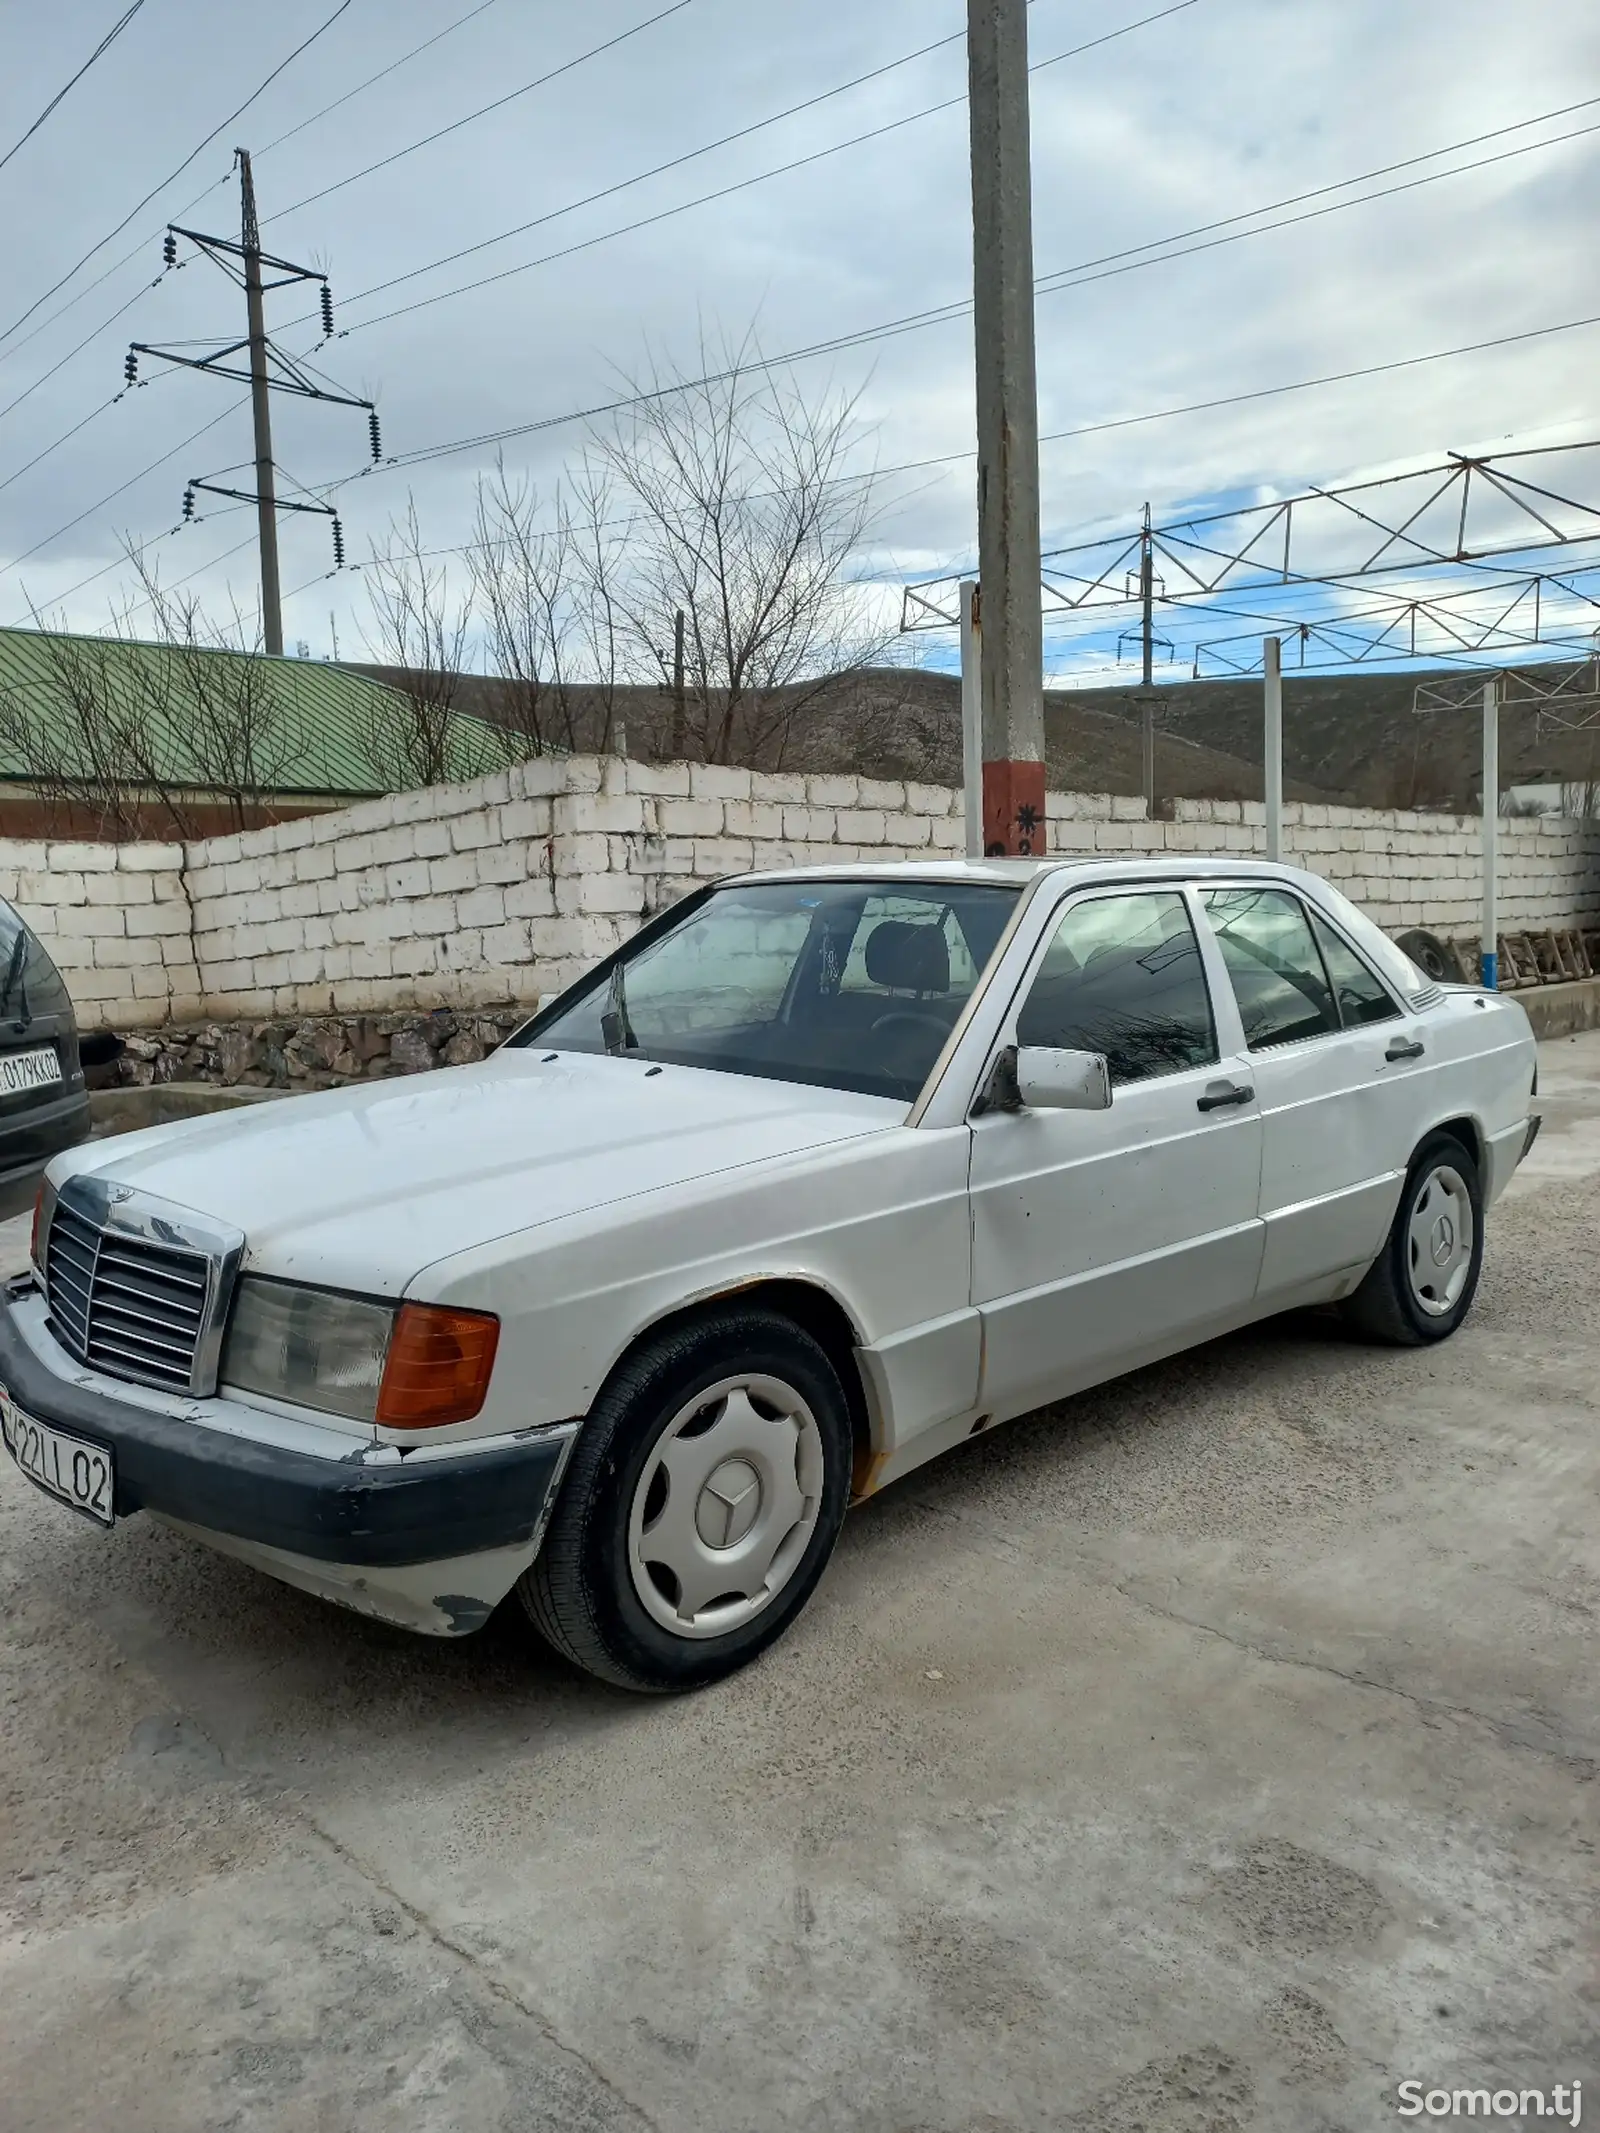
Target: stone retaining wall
point(314, 1052)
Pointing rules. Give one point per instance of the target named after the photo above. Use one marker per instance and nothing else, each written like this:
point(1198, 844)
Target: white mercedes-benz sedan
point(822, 1173)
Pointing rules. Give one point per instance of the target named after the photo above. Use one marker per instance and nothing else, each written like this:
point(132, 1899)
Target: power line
point(499, 103)
point(1054, 437)
point(836, 344)
point(112, 494)
point(259, 359)
point(791, 111)
point(154, 541)
point(45, 376)
point(255, 93)
point(1045, 282)
point(921, 51)
point(28, 465)
point(1077, 276)
point(1093, 429)
point(394, 65)
point(725, 140)
point(1335, 377)
point(1088, 429)
point(205, 193)
point(1100, 268)
point(105, 44)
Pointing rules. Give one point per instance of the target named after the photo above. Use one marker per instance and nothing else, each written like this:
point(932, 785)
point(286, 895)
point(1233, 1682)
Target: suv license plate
point(38, 1069)
point(68, 1468)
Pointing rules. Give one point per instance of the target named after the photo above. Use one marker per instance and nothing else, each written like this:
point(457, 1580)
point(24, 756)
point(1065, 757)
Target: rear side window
point(1357, 993)
point(30, 984)
point(1274, 962)
point(1122, 976)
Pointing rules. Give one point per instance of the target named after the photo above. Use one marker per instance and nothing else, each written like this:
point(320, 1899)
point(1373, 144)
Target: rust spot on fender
point(867, 1477)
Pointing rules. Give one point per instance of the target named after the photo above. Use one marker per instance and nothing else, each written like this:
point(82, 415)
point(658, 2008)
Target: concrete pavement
point(1206, 1755)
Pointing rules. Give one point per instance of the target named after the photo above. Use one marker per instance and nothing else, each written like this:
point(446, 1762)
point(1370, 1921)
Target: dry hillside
point(1352, 738)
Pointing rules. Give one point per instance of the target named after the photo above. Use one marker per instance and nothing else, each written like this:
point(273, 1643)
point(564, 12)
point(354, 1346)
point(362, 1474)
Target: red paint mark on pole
point(1013, 810)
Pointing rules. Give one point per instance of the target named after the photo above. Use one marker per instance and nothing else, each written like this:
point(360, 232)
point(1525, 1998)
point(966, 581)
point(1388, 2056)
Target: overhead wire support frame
point(265, 369)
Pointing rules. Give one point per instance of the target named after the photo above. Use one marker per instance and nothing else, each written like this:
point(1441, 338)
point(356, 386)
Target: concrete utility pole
point(1008, 429)
point(1272, 743)
point(1491, 835)
point(680, 708)
point(260, 408)
point(972, 716)
point(1147, 631)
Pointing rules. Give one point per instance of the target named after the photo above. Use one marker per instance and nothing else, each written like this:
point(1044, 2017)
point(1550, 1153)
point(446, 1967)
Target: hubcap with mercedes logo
point(728, 1504)
point(1439, 1240)
point(725, 1506)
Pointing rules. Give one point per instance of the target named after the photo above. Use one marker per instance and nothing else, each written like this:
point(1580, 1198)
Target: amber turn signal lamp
point(438, 1366)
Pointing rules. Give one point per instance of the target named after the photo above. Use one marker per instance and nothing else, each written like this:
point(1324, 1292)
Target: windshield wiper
point(615, 1028)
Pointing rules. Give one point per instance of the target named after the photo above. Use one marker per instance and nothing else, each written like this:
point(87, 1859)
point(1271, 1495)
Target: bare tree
point(421, 632)
point(747, 503)
point(546, 585)
point(165, 725)
point(723, 493)
point(240, 734)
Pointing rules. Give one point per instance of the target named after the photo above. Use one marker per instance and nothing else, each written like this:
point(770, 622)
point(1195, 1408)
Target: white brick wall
point(496, 892)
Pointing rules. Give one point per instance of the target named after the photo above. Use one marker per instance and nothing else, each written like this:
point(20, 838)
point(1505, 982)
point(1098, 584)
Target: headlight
point(403, 1366)
point(308, 1346)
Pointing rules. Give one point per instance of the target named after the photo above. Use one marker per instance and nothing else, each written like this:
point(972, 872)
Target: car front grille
point(123, 1305)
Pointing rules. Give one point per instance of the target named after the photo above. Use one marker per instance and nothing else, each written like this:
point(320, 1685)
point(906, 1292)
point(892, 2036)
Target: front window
point(1122, 976)
point(841, 984)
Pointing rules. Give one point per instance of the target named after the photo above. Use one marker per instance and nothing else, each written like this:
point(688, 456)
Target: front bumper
point(422, 1508)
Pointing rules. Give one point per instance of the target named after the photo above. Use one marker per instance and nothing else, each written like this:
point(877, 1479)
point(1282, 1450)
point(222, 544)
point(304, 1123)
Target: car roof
point(1017, 873)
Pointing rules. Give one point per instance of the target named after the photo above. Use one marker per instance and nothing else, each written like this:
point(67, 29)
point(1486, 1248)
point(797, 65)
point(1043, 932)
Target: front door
point(1102, 1239)
point(1341, 1071)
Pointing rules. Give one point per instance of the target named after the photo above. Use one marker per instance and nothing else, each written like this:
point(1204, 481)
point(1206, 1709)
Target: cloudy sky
point(1220, 109)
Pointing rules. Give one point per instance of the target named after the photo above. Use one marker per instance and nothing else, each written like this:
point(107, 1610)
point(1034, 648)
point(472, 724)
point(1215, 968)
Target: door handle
point(1222, 1093)
point(1405, 1048)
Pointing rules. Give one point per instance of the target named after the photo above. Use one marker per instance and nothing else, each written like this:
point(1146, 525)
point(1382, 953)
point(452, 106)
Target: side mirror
point(1049, 1079)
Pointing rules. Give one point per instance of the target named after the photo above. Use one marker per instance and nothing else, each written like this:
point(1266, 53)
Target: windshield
point(845, 985)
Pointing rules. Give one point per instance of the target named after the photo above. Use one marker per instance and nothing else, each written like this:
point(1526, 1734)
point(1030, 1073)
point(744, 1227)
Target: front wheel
point(1421, 1285)
point(703, 1501)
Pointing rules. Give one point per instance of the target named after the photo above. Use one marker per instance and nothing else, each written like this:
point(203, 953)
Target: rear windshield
point(843, 985)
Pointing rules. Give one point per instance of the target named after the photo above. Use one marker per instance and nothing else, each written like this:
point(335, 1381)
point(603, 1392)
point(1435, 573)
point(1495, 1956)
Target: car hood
point(361, 1188)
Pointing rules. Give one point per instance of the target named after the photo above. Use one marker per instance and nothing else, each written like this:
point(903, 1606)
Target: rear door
point(1339, 1069)
point(1104, 1238)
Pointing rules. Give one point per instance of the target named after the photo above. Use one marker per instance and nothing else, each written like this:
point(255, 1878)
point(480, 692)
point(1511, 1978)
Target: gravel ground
point(1205, 1755)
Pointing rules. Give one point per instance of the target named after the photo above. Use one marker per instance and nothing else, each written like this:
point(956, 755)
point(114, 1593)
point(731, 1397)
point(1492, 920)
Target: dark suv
point(43, 1103)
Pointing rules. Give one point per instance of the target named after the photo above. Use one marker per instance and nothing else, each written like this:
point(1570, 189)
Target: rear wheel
point(1422, 1283)
point(703, 1501)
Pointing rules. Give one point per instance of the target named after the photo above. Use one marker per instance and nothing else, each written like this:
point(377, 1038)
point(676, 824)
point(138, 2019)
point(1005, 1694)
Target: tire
point(1435, 958)
point(736, 1409)
point(1421, 1285)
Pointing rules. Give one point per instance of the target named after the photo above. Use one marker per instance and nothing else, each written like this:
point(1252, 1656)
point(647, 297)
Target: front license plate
point(38, 1069)
point(77, 1473)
